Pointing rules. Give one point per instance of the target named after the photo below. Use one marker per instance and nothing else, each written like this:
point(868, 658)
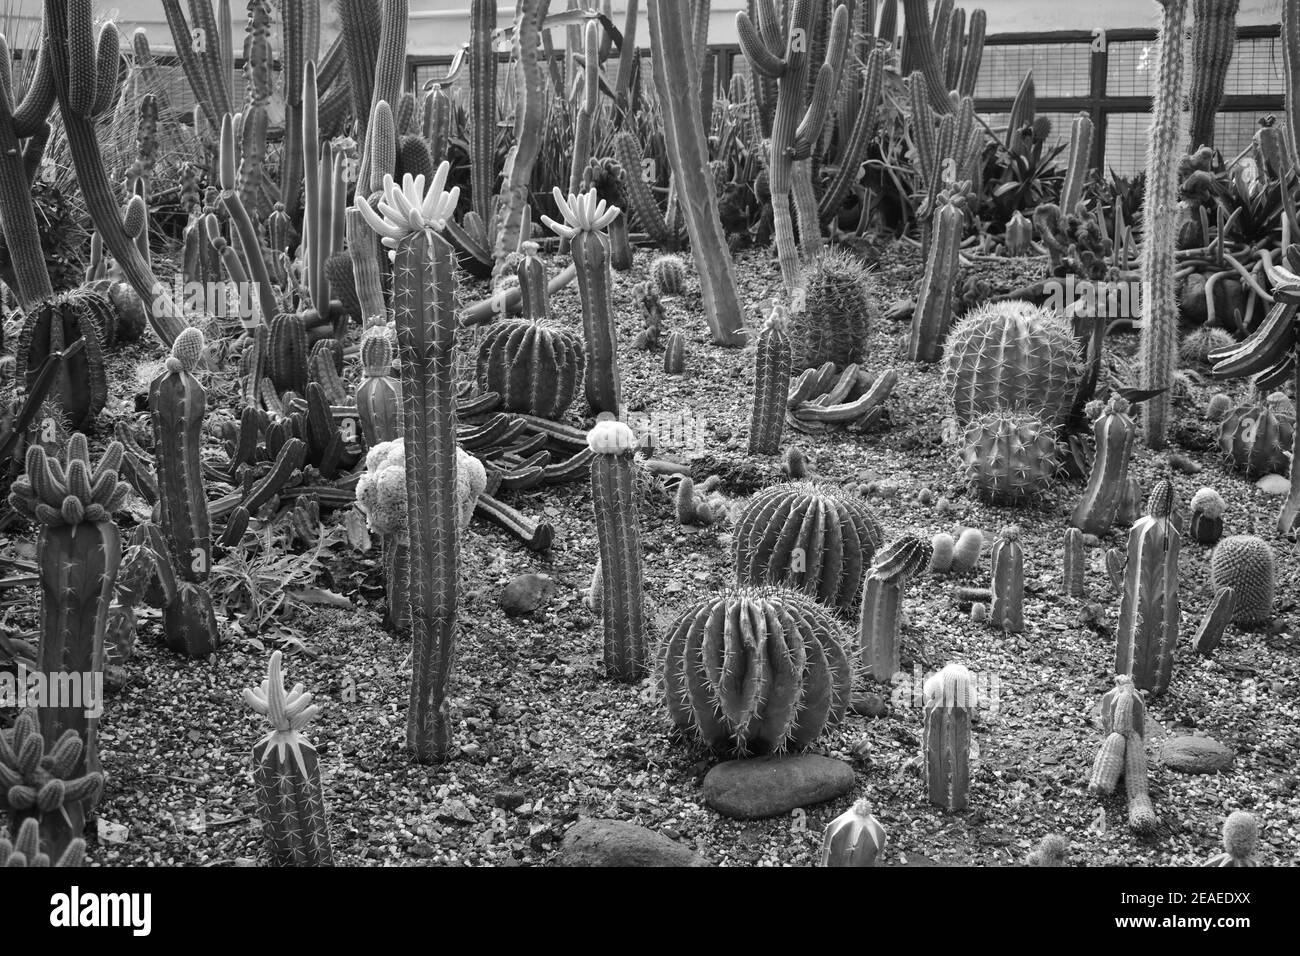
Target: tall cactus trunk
point(483, 106)
point(599, 332)
point(425, 309)
point(771, 388)
point(1159, 344)
point(1214, 35)
point(530, 117)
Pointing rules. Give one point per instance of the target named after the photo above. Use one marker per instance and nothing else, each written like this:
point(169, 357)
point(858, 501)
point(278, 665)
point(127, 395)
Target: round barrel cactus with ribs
point(534, 368)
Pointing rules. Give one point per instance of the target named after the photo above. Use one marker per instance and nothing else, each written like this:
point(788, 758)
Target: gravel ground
point(545, 738)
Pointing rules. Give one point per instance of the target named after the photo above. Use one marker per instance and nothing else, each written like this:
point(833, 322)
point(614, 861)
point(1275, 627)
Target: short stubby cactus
point(54, 324)
point(772, 364)
point(1207, 516)
point(25, 850)
point(534, 368)
point(950, 701)
point(1113, 433)
point(756, 670)
point(1008, 613)
point(812, 537)
point(1010, 457)
point(878, 622)
point(1012, 356)
point(668, 274)
point(1245, 563)
point(1240, 840)
point(1149, 612)
point(290, 800)
point(834, 308)
point(854, 838)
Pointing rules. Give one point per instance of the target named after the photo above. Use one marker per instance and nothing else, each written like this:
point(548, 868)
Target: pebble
point(617, 843)
point(526, 593)
point(754, 789)
point(1194, 754)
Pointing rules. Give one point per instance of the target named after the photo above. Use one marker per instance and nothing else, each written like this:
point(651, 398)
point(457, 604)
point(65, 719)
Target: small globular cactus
point(1245, 563)
point(668, 274)
point(1053, 850)
point(878, 622)
point(1009, 582)
point(1149, 610)
point(796, 463)
point(950, 700)
point(290, 800)
point(1207, 516)
point(1216, 410)
point(1019, 235)
point(1255, 438)
point(1240, 841)
point(968, 551)
point(854, 838)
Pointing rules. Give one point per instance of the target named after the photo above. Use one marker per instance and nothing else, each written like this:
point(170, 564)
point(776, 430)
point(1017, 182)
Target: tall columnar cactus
point(854, 150)
point(1123, 752)
point(585, 116)
point(1214, 36)
point(1245, 563)
point(771, 385)
point(1078, 161)
point(424, 307)
point(1074, 564)
point(287, 353)
point(795, 130)
point(950, 699)
point(814, 538)
point(483, 106)
point(677, 72)
point(1012, 356)
point(530, 117)
point(1113, 432)
point(854, 838)
point(585, 217)
point(934, 301)
point(249, 242)
point(379, 396)
point(1008, 609)
point(286, 770)
point(882, 593)
point(178, 407)
point(1159, 344)
point(77, 554)
point(300, 27)
point(1149, 611)
point(756, 670)
point(45, 784)
point(618, 532)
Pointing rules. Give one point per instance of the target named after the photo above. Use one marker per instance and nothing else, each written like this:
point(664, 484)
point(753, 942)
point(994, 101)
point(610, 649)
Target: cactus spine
point(1113, 432)
point(1159, 342)
point(1214, 35)
point(933, 313)
point(290, 800)
point(950, 700)
point(882, 592)
point(1075, 563)
point(1148, 618)
point(771, 386)
point(178, 406)
point(618, 530)
point(1009, 582)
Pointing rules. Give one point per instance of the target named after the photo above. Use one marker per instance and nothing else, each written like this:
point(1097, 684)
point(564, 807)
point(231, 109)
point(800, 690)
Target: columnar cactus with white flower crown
point(618, 531)
point(287, 773)
point(585, 216)
point(409, 221)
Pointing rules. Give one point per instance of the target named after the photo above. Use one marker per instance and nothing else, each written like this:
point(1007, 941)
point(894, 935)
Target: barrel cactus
point(668, 274)
point(54, 324)
point(1009, 457)
point(1253, 437)
point(1012, 356)
point(1245, 563)
point(838, 304)
point(1207, 516)
point(812, 537)
point(534, 368)
point(756, 670)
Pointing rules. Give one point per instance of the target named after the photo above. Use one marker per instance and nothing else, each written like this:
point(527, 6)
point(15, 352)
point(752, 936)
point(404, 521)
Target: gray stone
point(616, 843)
point(772, 786)
point(526, 593)
point(1195, 754)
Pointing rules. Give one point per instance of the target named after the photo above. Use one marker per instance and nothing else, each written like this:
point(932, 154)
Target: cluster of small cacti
point(829, 398)
point(1123, 753)
point(49, 784)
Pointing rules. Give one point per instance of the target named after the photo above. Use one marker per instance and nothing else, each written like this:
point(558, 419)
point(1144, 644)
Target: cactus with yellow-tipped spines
point(755, 670)
point(614, 497)
point(772, 363)
point(78, 552)
point(178, 407)
point(1008, 608)
point(286, 770)
point(882, 591)
point(950, 700)
point(1149, 610)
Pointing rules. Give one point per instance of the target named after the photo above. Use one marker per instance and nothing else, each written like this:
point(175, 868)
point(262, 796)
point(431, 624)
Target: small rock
point(526, 593)
point(1274, 485)
point(869, 705)
point(616, 843)
point(454, 811)
point(110, 832)
point(508, 799)
point(1192, 754)
point(754, 789)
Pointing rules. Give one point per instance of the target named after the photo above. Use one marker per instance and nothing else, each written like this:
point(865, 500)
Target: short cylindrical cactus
point(1113, 431)
point(618, 532)
point(815, 538)
point(1207, 516)
point(25, 850)
point(950, 700)
point(835, 305)
point(668, 274)
point(942, 549)
point(1240, 840)
point(379, 396)
point(1074, 564)
point(1245, 563)
point(756, 670)
point(290, 800)
point(1149, 610)
point(968, 551)
point(771, 386)
point(675, 354)
point(854, 838)
point(1008, 611)
point(882, 591)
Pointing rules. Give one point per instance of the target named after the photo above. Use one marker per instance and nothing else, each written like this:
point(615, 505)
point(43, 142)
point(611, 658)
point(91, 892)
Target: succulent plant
point(1218, 407)
point(1009, 457)
point(854, 838)
point(1052, 850)
point(970, 547)
point(52, 325)
point(1009, 582)
point(1254, 438)
point(772, 365)
point(1216, 620)
point(878, 623)
point(535, 368)
point(1113, 433)
point(950, 700)
point(942, 550)
point(668, 274)
point(25, 850)
point(1240, 841)
point(811, 537)
point(837, 307)
point(755, 670)
point(379, 396)
point(1207, 516)
point(1147, 632)
point(1245, 563)
point(1196, 346)
point(1075, 563)
point(1123, 752)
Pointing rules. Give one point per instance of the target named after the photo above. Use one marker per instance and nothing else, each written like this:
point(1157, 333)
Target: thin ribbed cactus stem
point(771, 386)
point(249, 241)
point(1078, 163)
point(1074, 564)
point(1158, 355)
point(882, 591)
point(586, 111)
point(618, 532)
point(361, 22)
point(859, 137)
point(1291, 75)
point(919, 44)
point(18, 121)
point(1113, 434)
point(483, 106)
point(1214, 36)
point(530, 117)
point(390, 64)
point(973, 56)
point(1149, 610)
point(950, 700)
point(379, 158)
point(1008, 610)
point(300, 26)
point(934, 301)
